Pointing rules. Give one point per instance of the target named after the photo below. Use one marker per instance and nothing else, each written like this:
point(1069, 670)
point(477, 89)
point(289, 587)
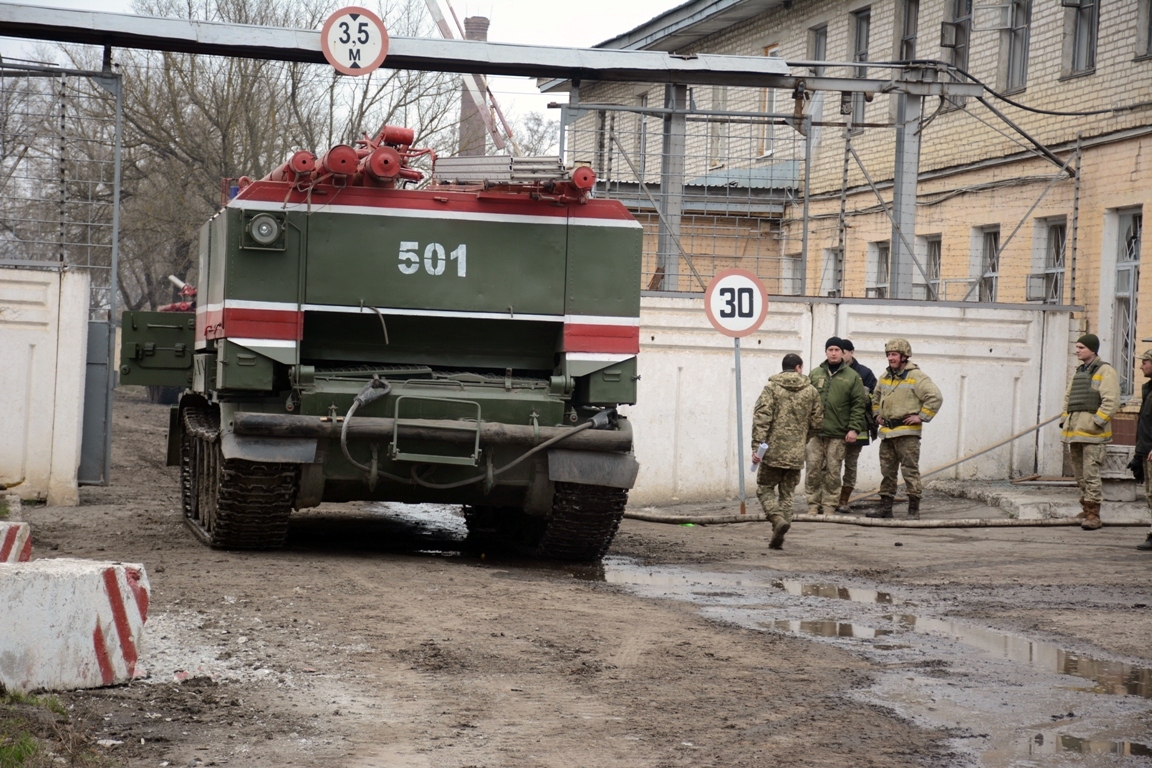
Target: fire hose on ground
point(975, 522)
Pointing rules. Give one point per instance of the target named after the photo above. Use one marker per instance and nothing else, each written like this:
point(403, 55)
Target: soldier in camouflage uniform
point(787, 412)
point(904, 399)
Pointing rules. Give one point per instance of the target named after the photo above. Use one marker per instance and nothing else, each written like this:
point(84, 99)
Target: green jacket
point(842, 395)
point(787, 411)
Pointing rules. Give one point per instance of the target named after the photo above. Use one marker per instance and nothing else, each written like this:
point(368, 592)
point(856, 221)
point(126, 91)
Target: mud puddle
point(1006, 699)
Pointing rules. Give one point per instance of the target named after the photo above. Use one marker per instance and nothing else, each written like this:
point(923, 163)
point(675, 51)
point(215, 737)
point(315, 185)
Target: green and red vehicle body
point(492, 319)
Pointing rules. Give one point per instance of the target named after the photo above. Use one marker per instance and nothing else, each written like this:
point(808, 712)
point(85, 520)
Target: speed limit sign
point(354, 41)
point(736, 303)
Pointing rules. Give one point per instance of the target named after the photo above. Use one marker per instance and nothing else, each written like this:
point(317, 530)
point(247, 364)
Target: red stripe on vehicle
point(278, 324)
point(133, 577)
point(615, 339)
point(9, 542)
point(431, 200)
point(26, 552)
point(102, 659)
point(120, 619)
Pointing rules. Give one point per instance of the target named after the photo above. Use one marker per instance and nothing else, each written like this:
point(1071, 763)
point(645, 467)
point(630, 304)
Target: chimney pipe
point(473, 133)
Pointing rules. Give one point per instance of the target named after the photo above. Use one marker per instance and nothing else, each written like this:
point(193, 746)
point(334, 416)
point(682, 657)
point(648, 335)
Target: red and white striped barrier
point(71, 624)
point(15, 543)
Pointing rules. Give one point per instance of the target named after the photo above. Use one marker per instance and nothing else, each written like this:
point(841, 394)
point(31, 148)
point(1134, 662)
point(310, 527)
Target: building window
point(790, 275)
point(1018, 33)
point(1124, 315)
point(989, 265)
point(955, 35)
point(908, 26)
point(879, 268)
point(768, 106)
point(1054, 249)
point(861, 22)
point(818, 47)
point(717, 127)
point(1144, 30)
point(930, 290)
point(1081, 25)
point(832, 276)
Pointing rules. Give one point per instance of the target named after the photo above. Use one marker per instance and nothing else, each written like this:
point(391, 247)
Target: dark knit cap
point(834, 341)
point(846, 345)
point(1090, 340)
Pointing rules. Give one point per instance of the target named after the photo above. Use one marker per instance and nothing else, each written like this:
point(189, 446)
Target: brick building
point(981, 179)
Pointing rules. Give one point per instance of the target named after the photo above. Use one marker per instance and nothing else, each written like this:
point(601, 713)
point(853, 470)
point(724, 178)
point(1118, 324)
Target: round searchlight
point(264, 229)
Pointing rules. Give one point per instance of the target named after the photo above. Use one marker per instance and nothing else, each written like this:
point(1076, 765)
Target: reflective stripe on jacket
point(1085, 427)
point(904, 394)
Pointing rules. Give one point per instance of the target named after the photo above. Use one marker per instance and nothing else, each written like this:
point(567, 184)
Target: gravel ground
point(375, 638)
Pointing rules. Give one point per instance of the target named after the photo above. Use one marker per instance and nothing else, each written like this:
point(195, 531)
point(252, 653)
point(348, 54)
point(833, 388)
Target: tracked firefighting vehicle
point(464, 343)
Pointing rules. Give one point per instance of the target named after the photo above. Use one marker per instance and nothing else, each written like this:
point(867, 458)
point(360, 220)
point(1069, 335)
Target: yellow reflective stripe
point(927, 411)
point(1104, 416)
point(901, 428)
point(1097, 377)
point(1079, 433)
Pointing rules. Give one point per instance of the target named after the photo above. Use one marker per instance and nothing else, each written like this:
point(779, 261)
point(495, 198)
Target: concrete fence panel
point(1000, 369)
point(43, 335)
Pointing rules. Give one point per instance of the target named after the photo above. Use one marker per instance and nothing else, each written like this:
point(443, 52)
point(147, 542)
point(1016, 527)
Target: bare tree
point(536, 135)
point(192, 121)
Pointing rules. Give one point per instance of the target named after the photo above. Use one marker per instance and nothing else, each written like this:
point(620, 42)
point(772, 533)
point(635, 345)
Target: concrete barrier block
point(71, 624)
point(15, 543)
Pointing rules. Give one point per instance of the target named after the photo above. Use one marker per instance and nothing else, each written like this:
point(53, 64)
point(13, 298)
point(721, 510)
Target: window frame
point(987, 279)
point(909, 30)
point(1081, 38)
point(1017, 44)
point(818, 48)
point(861, 20)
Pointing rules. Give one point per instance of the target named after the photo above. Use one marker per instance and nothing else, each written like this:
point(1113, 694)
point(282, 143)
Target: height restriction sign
point(354, 41)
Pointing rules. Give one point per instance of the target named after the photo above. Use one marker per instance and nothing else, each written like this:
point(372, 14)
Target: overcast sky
point(578, 24)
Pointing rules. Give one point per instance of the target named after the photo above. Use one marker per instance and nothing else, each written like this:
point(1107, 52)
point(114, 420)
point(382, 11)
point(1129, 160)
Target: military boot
point(780, 527)
point(885, 508)
point(845, 494)
point(1083, 510)
point(1092, 519)
point(913, 507)
point(1146, 545)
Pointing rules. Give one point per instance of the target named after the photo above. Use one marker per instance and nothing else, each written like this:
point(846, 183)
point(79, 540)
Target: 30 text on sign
point(736, 303)
point(354, 40)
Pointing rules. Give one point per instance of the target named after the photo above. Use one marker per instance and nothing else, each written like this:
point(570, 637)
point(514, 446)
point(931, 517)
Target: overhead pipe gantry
point(557, 65)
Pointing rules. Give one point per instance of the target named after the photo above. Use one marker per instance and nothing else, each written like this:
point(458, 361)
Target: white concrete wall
point(43, 338)
point(998, 368)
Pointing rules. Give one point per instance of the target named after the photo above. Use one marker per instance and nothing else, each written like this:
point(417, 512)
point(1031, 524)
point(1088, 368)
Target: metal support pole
point(672, 185)
point(807, 183)
point(842, 220)
point(739, 428)
point(907, 171)
point(114, 278)
point(1075, 226)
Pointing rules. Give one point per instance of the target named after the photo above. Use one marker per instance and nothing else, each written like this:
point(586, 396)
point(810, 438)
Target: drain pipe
point(976, 522)
point(970, 522)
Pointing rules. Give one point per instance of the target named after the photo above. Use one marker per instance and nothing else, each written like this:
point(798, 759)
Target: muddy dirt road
point(375, 639)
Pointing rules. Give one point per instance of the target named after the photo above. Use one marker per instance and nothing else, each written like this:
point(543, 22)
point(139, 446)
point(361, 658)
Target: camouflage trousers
point(1148, 483)
point(1086, 461)
point(851, 459)
point(774, 488)
point(900, 454)
point(825, 456)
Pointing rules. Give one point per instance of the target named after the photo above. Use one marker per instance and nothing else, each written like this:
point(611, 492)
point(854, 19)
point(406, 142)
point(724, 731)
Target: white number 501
point(434, 261)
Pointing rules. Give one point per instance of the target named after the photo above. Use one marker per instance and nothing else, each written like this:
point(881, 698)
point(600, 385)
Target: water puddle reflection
point(1110, 677)
point(1051, 744)
point(836, 592)
point(831, 629)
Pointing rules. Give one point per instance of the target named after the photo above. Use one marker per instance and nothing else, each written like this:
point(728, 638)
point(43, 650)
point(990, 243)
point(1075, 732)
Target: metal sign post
point(736, 304)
